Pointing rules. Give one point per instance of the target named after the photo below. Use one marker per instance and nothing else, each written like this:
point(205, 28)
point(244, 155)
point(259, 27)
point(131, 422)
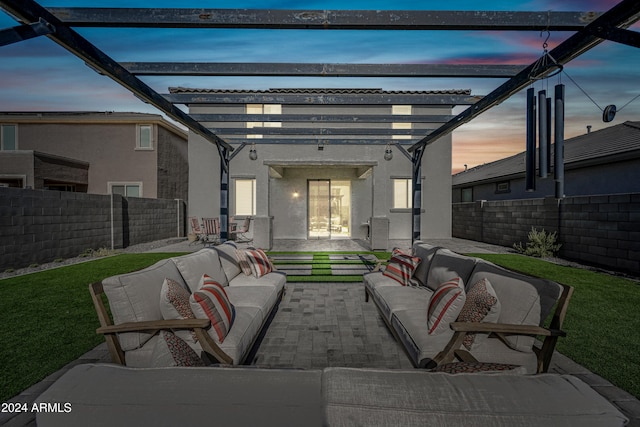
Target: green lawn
point(602, 323)
point(48, 319)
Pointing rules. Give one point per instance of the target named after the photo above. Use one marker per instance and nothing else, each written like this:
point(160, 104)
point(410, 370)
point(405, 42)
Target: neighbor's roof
point(600, 146)
point(88, 117)
point(327, 91)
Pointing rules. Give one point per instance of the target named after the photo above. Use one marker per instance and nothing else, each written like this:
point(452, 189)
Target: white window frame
point(126, 184)
point(252, 209)
point(139, 137)
point(2, 142)
point(408, 185)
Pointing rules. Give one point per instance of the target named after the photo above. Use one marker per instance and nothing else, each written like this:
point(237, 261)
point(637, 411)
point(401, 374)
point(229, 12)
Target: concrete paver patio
point(329, 324)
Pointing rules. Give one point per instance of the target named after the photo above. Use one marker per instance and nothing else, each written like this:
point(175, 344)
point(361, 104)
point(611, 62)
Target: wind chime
point(539, 116)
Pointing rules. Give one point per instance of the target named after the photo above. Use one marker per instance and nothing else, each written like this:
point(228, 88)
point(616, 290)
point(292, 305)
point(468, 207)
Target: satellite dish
point(609, 113)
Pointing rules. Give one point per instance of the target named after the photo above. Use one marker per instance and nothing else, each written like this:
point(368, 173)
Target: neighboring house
point(327, 185)
point(132, 154)
point(606, 161)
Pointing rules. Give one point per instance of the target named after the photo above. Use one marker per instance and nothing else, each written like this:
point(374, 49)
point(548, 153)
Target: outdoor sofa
point(112, 395)
point(423, 299)
point(205, 307)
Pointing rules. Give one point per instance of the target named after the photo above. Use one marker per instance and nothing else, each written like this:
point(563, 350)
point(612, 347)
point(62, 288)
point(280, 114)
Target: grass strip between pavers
point(321, 265)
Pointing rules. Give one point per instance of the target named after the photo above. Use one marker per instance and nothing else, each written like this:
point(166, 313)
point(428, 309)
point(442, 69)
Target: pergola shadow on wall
point(589, 29)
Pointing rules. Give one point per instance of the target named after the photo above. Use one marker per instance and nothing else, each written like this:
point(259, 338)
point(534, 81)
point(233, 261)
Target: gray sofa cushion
point(446, 265)
point(109, 395)
point(135, 297)
point(193, 266)
point(228, 259)
point(524, 300)
point(275, 279)
point(260, 297)
point(359, 397)
point(426, 253)
point(394, 298)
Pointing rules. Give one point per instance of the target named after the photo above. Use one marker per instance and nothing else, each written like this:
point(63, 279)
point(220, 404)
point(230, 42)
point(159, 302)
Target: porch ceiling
point(277, 168)
point(57, 23)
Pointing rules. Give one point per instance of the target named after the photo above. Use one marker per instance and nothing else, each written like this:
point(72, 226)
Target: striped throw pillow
point(445, 305)
point(401, 267)
point(259, 262)
point(243, 262)
point(211, 302)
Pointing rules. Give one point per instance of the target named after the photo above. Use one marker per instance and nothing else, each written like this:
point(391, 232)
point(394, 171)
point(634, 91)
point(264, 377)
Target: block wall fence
point(602, 231)
point(38, 226)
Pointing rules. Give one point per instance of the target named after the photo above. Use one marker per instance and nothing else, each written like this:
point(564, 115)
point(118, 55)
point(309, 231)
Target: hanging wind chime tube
point(543, 126)
point(558, 166)
point(530, 155)
point(549, 121)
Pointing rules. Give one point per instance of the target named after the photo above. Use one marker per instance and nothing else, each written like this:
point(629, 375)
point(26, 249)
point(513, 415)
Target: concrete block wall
point(602, 230)
point(38, 226)
point(596, 230)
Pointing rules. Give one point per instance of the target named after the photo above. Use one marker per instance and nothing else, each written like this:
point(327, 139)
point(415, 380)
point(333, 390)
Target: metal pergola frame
point(57, 23)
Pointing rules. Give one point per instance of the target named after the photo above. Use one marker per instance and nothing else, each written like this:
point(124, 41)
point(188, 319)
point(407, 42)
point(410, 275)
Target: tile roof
point(323, 91)
point(595, 147)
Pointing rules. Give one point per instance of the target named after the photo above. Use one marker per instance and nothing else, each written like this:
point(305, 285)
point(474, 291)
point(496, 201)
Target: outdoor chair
point(211, 230)
point(196, 229)
point(240, 234)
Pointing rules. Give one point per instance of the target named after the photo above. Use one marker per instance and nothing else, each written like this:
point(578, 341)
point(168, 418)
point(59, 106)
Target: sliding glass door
point(329, 208)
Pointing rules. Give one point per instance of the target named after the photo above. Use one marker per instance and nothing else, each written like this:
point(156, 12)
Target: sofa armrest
point(501, 328)
point(154, 325)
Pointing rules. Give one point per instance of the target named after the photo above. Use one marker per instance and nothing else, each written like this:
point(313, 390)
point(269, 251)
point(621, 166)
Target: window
point(144, 141)
point(503, 187)
point(245, 196)
point(9, 137)
point(402, 193)
point(263, 109)
point(403, 110)
point(466, 194)
point(126, 189)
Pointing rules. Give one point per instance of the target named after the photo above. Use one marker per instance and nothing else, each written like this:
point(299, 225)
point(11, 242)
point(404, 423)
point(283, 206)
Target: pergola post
point(224, 194)
point(416, 205)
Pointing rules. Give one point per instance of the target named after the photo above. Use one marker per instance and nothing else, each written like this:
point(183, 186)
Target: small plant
point(96, 253)
point(541, 244)
point(58, 260)
point(34, 265)
point(9, 270)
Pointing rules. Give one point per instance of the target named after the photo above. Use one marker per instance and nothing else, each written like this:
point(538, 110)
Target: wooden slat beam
point(323, 19)
point(320, 70)
point(323, 118)
point(324, 140)
point(316, 131)
point(622, 15)
point(321, 99)
point(24, 32)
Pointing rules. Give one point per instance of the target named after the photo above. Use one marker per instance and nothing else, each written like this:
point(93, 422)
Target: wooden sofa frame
point(198, 326)
point(543, 353)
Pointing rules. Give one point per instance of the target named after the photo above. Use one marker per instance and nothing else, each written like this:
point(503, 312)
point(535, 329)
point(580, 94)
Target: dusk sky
point(38, 75)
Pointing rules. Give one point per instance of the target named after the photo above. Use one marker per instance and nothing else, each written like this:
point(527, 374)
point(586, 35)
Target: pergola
point(57, 23)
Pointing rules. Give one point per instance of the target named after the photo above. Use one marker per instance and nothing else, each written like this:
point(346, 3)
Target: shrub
point(541, 244)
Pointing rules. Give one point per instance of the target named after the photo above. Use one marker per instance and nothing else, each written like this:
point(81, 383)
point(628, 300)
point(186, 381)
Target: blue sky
point(38, 75)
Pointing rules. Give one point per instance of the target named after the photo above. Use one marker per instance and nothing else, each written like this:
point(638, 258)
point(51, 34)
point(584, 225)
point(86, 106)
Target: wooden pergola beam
point(324, 118)
point(321, 99)
point(320, 70)
point(323, 19)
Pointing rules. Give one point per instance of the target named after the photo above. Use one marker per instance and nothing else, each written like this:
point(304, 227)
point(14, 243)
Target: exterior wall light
point(253, 155)
point(295, 194)
point(388, 154)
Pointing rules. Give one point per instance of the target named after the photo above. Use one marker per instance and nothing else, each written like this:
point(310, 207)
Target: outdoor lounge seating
point(505, 333)
point(102, 394)
point(239, 233)
point(228, 319)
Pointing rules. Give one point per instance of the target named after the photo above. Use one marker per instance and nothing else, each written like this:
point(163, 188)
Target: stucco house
point(606, 161)
point(300, 177)
point(132, 154)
